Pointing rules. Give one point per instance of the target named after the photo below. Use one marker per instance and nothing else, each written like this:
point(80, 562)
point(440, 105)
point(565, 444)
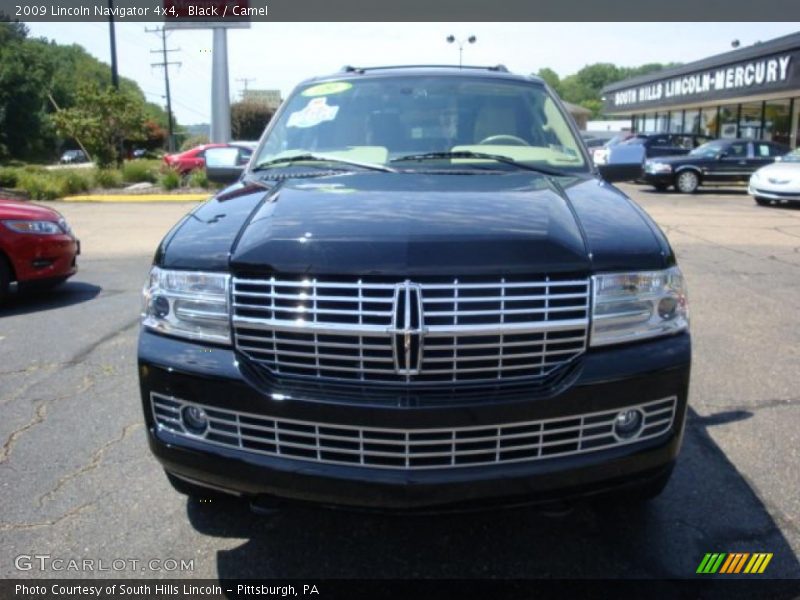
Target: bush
point(73, 181)
point(40, 186)
point(107, 178)
point(137, 171)
point(170, 179)
point(8, 177)
point(198, 179)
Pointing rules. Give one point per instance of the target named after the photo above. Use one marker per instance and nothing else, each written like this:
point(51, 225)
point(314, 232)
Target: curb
point(138, 198)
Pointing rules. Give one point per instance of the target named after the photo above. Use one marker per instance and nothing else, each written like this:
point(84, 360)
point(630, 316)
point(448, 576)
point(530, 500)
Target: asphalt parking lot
point(77, 480)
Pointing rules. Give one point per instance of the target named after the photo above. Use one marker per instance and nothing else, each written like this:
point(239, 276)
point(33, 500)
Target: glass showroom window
point(750, 120)
point(707, 122)
point(662, 122)
point(650, 123)
point(778, 121)
point(676, 121)
point(728, 121)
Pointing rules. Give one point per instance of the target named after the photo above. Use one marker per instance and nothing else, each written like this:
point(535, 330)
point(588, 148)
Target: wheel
point(508, 140)
point(687, 182)
point(763, 201)
point(5, 278)
point(661, 187)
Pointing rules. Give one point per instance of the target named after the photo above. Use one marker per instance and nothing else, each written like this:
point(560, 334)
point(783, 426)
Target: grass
point(40, 183)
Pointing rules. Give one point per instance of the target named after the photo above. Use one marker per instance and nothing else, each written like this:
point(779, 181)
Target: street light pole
point(470, 40)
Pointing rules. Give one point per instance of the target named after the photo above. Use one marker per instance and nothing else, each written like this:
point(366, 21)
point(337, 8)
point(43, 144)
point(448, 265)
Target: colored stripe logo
point(734, 563)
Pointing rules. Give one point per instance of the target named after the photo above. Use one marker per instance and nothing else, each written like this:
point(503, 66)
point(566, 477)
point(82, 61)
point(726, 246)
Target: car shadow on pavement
point(32, 301)
point(707, 507)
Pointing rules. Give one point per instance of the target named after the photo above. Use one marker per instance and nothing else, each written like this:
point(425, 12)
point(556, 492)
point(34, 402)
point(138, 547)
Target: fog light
point(194, 419)
point(667, 307)
point(160, 306)
point(628, 423)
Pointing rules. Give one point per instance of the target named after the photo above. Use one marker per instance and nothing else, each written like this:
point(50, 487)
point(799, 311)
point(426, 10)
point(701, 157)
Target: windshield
point(379, 119)
point(708, 150)
point(793, 156)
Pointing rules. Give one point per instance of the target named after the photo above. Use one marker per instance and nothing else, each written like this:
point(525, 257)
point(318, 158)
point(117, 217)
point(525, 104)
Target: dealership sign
point(760, 75)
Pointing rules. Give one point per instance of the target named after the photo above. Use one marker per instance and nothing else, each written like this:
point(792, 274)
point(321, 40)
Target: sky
point(280, 55)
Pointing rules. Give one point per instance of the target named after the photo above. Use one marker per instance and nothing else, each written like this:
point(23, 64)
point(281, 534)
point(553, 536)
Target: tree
point(103, 119)
point(248, 119)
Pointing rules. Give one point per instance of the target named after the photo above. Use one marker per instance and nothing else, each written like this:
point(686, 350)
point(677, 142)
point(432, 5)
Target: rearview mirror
point(223, 165)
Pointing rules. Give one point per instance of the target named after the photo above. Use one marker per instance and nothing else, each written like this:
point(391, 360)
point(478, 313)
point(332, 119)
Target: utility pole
point(245, 81)
point(165, 63)
point(113, 38)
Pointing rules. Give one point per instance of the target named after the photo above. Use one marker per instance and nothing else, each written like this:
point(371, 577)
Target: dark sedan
point(716, 163)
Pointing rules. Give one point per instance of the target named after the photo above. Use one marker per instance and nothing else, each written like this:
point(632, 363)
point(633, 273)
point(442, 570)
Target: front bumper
point(40, 259)
point(659, 179)
point(607, 379)
point(780, 195)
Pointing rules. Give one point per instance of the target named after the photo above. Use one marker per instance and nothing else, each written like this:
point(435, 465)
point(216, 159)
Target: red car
point(188, 161)
point(37, 247)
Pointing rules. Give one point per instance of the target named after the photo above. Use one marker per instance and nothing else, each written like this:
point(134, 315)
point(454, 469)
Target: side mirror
point(623, 163)
point(223, 165)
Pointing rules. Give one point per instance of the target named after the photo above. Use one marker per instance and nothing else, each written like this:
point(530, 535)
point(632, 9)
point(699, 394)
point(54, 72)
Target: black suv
point(667, 144)
point(720, 162)
point(419, 294)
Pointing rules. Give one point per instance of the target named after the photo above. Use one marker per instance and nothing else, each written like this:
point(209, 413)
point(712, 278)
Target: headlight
point(37, 227)
point(639, 305)
point(187, 304)
point(657, 167)
point(754, 176)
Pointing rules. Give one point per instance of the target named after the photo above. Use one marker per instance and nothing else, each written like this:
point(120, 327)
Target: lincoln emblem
point(407, 328)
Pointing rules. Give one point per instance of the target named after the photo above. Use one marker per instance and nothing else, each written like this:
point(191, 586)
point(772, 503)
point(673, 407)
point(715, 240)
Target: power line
point(165, 63)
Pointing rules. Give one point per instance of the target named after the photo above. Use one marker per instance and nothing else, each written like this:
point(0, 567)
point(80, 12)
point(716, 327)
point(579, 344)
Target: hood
point(15, 209)
point(789, 171)
point(418, 224)
point(421, 224)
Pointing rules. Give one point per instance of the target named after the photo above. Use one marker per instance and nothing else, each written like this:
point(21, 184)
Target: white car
point(778, 182)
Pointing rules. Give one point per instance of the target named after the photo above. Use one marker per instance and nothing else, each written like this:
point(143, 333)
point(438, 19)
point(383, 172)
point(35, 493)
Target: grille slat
point(414, 448)
point(338, 329)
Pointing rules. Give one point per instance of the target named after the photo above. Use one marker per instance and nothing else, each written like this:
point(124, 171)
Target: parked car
point(189, 160)
point(666, 144)
point(778, 182)
point(73, 157)
point(721, 162)
point(37, 247)
point(419, 294)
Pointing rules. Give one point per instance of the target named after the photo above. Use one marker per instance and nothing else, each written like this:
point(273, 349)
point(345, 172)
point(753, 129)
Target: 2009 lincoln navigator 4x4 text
point(418, 294)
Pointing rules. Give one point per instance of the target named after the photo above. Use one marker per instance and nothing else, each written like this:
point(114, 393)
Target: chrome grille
point(413, 448)
point(458, 330)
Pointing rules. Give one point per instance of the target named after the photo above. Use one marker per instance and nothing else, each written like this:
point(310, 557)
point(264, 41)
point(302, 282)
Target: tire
point(687, 182)
point(5, 279)
point(763, 201)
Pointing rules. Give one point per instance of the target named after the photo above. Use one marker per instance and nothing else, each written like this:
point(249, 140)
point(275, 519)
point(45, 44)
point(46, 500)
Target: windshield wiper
point(312, 157)
point(479, 155)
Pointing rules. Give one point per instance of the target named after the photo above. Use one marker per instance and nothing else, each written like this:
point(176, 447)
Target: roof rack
point(352, 69)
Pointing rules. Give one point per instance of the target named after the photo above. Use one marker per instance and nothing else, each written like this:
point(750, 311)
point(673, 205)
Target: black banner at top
point(207, 12)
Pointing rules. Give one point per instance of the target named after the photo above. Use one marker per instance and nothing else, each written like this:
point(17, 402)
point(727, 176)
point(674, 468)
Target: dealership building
point(751, 92)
